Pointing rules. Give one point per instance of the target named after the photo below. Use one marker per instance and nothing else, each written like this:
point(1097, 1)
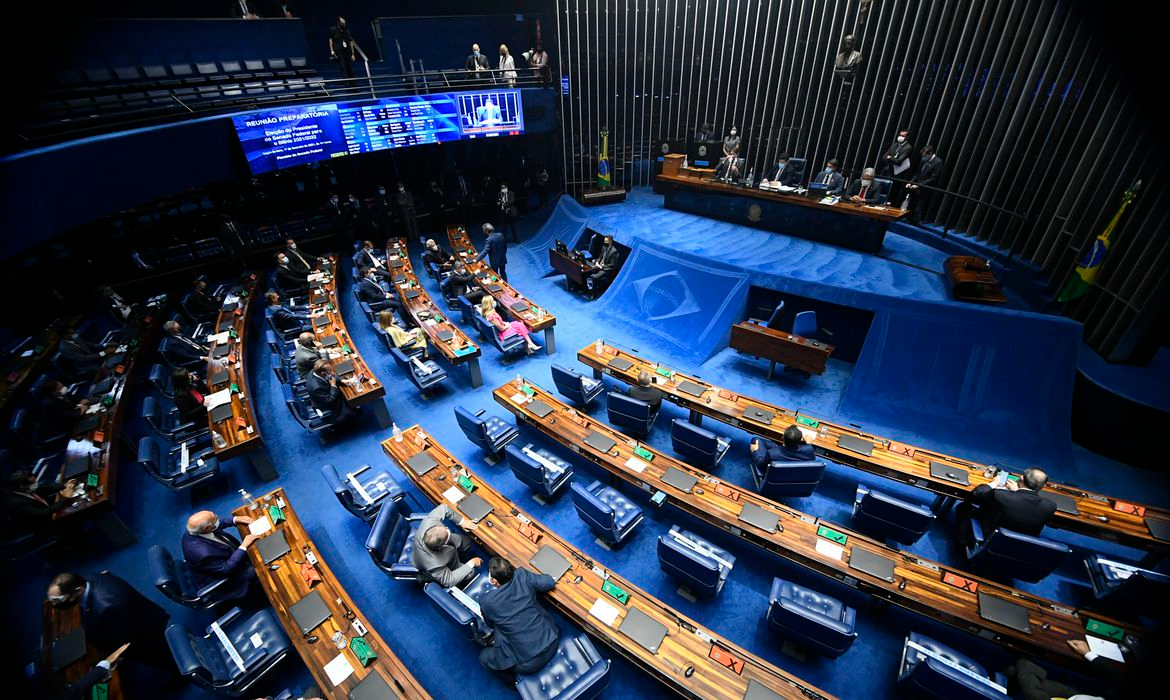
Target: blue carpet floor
point(446, 663)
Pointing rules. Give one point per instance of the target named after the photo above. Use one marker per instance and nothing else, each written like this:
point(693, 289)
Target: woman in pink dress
point(506, 329)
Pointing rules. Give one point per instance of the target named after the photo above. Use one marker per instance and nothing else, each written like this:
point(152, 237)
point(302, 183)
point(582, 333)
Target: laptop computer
point(872, 564)
point(854, 444)
point(540, 408)
point(273, 547)
point(758, 691)
point(320, 321)
point(1004, 612)
point(692, 389)
point(310, 611)
point(76, 467)
point(221, 412)
point(599, 442)
point(218, 376)
point(411, 294)
point(1064, 503)
point(372, 687)
point(224, 324)
point(679, 479)
point(519, 307)
point(494, 289)
point(221, 350)
point(549, 561)
point(330, 341)
point(445, 335)
point(396, 263)
point(758, 517)
point(422, 463)
point(68, 648)
point(758, 414)
point(1159, 529)
point(343, 368)
point(86, 424)
point(399, 279)
point(644, 630)
point(474, 507)
point(945, 471)
point(621, 364)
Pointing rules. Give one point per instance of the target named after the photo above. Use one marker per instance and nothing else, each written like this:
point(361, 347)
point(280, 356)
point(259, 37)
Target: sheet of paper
point(184, 458)
point(313, 277)
point(338, 670)
point(1105, 648)
point(454, 494)
point(260, 525)
point(231, 299)
point(93, 408)
point(217, 398)
point(809, 435)
point(636, 464)
point(26, 353)
point(604, 611)
point(520, 397)
point(257, 640)
point(833, 551)
point(218, 338)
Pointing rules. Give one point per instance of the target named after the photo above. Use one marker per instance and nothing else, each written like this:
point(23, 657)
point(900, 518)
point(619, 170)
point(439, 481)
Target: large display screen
point(283, 138)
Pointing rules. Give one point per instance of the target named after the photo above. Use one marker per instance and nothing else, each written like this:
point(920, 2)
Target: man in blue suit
point(495, 249)
point(526, 634)
point(324, 395)
point(372, 293)
point(214, 553)
point(831, 178)
point(794, 449)
point(283, 318)
point(182, 351)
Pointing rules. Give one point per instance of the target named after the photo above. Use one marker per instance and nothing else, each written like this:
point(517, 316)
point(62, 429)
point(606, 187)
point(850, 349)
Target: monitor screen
point(283, 138)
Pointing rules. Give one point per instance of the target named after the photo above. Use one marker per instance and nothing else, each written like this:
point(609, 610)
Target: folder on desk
point(220, 351)
point(329, 341)
point(1004, 612)
point(599, 442)
point(758, 691)
point(853, 444)
point(549, 561)
point(320, 321)
point(372, 687)
point(68, 648)
point(643, 629)
point(691, 388)
point(399, 279)
point(396, 263)
point(273, 547)
point(948, 472)
point(1064, 502)
point(221, 412)
point(621, 364)
point(679, 479)
point(519, 307)
point(540, 408)
point(445, 335)
point(342, 369)
point(310, 611)
point(758, 414)
point(757, 516)
point(422, 463)
point(872, 564)
point(411, 294)
point(474, 507)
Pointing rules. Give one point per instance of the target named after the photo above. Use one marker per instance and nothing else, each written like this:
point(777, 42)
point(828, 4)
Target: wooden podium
point(971, 279)
point(672, 163)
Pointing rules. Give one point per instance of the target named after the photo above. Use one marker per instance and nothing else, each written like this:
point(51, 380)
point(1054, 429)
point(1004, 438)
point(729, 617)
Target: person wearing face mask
point(895, 162)
point(289, 280)
point(605, 267)
point(495, 249)
point(380, 211)
point(438, 553)
point(214, 553)
point(283, 318)
point(321, 385)
point(182, 351)
point(921, 186)
point(29, 506)
point(729, 165)
point(831, 178)
point(506, 204)
point(508, 65)
point(476, 62)
point(342, 48)
point(298, 260)
point(370, 257)
point(58, 409)
point(372, 293)
point(333, 208)
point(76, 355)
point(864, 190)
point(785, 174)
point(434, 255)
point(404, 200)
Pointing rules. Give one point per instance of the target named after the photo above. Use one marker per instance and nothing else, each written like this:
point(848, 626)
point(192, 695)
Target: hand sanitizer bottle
point(396, 433)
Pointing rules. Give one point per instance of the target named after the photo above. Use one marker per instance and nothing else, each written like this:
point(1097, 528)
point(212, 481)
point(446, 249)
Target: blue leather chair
point(424, 380)
point(377, 488)
point(160, 378)
point(459, 614)
point(165, 466)
point(467, 309)
point(575, 386)
point(606, 511)
point(168, 424)
point(174, 580)
point(698, 446)
point(777, 479)
point(889, 518)
point(278, 347)
point(694, 561)
point(546, 482)
point(819, 622)
point(773, 320)
point(1015, 555)
point(303, 413)
point(492, 434)
point(391, 540)
point(185, 303)
point(924, 677)
point(368, 312)
point(884, 184)
point(805, 324)
point(289, 333)
point(26, 436)
point(1129, 587)
point(576, 672)
point(630, 414)
point(206, 662)
point(511, 345)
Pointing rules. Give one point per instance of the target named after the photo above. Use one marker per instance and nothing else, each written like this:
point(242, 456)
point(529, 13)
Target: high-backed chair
point(166, 422)
point(424, 374)
point(889, 518)
point(606, 511)
point(259, 640)
point(491, 434)
point(884, 185)
point(391, 540)
point(696, 445)
point(575, 386)
point(576, 672)
point(927, 675)
point(458, 612)
point(693, 560)
point(27, 436)
point(773, 320)
point(467, 309)
point(805, 324)
point(544, 472)
point(819, 622)
point(630, 414)
point(173, 578)
point(160, 379)
point(1128, 587)
point(777, 479)
point(367, 311)
point(166, 465)
point(303, 413)
point(1016, 555)
point(363, 491)
point(511, 345)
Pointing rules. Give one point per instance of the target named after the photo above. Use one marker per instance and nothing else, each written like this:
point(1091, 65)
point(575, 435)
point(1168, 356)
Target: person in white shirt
point(508, 65)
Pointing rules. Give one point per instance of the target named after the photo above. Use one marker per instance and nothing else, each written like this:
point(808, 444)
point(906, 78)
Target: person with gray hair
point(645, 391)
point(214, 553)
point(495, 249)
point(438, 552)
point(307, 353)
point(182, 351)
point(864, 190)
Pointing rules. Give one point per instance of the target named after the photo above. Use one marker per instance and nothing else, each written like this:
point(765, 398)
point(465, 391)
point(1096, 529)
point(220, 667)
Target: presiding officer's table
point(684, 661)
point(286, 585)
point(1077, 510)
point(800, 353)
point(929, 588)
point(857, 226)
point(536, 318)
point(443, 335)
point(56, 624)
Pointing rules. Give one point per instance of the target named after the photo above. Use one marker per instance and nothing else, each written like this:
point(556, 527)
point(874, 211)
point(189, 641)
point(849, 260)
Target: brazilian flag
point(1085, 275)
point(604, 179)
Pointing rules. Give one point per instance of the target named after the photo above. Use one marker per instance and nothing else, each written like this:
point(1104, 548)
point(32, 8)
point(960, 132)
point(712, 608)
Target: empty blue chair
point(174, 580)
point(576, 672)
point(693, 560)
point(923, 676)
point(391, 540)
point(166, 422)
point(1128, 587)
point(276, 345)
point(27, 436)
point(458, 612)
point(308, 417)
point(424, 374)
point(467, 309)
point(819, 622)
point(369, 313)
point(889, 518)
point(1015, 555)
point(160, 378)
point(575, 386)
point(630, 414)
point(491, 434)
point(773, 320)
point(206, 661)
point(544, 472)
point(363, 491)
point(166, 465)
point(696, 445)
point(805, 324)
point(606, 511)
point(777, 479)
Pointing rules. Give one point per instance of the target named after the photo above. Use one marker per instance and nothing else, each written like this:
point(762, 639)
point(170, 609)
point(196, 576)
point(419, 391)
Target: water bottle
point(685, 164)
point(598, 346)
point(519, 382)
point(906, 203)
point(220, 443)
point(396, 432)
point(751, 177)
point(248, 500)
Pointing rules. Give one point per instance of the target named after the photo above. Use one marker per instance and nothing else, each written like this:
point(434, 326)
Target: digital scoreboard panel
point(283, 138)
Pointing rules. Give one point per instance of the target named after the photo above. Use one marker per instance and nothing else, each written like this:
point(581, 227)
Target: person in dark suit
point(299, 261)
point(644, 390)
point(213, 552)
point(369, 257)
point(526, 635)
point(80, 689)
point(495, 249)
point(404, 200)
point(324, 395)
point(308, 352)
point(476, 62)
point(506, 205)
point(29, 506)
point(372, 293)
point(920, 187)
point(200, 304)
point(287, 279)
point(896, 154)
point(785, 174)
point(188, 398)
point(864, 190)
point(605, 267)
point(113, 613)
point(58, 410)
point(461, 283)
point(706, 132)
point(76, 354)
point(831, 178)
point(182, 351)
point(284, 318)
point(1018, 509)
point(435, 255)
point(794, 449)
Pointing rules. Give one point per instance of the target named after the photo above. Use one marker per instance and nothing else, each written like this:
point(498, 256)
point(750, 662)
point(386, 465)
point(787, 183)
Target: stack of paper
point(218, 338)
point(604, 611)
point(217, 398)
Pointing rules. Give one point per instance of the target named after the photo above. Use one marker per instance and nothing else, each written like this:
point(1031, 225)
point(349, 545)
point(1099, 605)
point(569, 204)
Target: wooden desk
point(577, 273)
point(18, 372)
point(362, 387)
point(857, 226)
point(890, 459)
point(971, 279)
point(536, 318)
point(687, 644)
point(241, 431)
point(285, 586)
point(56, 624)
point(918, 584)
point(458, 349)
point(800, 353)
